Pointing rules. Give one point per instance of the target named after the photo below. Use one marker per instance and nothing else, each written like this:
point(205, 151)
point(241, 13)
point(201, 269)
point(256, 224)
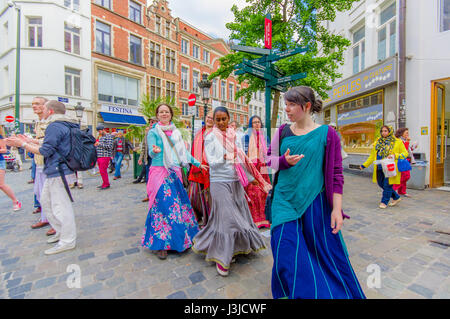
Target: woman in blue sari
point(310, 257)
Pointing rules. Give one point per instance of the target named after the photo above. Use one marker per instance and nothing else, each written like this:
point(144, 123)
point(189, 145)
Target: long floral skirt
point(171, 223)
point(310, 262)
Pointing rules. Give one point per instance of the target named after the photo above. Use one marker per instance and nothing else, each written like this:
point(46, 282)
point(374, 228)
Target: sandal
point(37, 210)
point(162, 254)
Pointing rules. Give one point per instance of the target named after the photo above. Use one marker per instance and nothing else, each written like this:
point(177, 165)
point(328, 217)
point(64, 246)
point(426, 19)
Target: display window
point(359, 122)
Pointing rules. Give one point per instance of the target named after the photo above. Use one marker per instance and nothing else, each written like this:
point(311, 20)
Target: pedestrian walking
point(230, 230)
point(104, 154)
point(121, 148)
point(256, 145)
point(198, 190)
point(386, 146)
point(54, 198)
point(17, 205)
point(310, 259)
point(170, 223)
point(403, 135)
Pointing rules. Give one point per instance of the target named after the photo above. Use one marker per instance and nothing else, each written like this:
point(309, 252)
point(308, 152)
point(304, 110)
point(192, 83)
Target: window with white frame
point(214, 88)
point(170, 61)
point(72, 4)
point(387, 32)
point(104, 3)
point(155, 55)
point(184, 78)
point(155, 88)
point(135, 12)
point(359, 50)
point(135, 49)
point(35, 32)
point(195, 81)
point(158, 25)
point(223, 90)
point(205, 56)
point(230, 92)
point(185, 109)
point(116, 88)
point(5, 80)
point(170, 89)
point(71, 39)
point(444, 9)
point(167, 29)
point(196, 51)
point(72, 81)
point(184, 46)
point(103, 38)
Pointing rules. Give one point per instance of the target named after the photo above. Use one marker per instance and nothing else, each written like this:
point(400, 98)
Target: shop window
point(445, 15)
point(117, 88)
point(359, 122)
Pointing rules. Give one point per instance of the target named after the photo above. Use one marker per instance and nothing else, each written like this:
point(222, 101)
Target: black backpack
point(82, 155)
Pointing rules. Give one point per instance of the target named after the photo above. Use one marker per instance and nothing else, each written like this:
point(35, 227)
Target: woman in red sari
point(255, 145)
point(199, 187)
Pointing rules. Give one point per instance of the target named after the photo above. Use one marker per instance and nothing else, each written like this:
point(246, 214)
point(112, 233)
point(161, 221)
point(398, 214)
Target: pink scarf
point(228, 142)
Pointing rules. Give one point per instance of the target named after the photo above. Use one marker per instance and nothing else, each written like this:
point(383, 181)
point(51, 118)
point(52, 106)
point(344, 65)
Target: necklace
point(302, 131)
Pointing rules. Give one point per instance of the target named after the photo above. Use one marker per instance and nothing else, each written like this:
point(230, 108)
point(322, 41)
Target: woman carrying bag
point(387, 146)
point(170, 223)
point(403, 134)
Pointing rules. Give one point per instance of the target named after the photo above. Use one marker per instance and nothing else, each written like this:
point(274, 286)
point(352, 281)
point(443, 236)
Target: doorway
point(440, 133)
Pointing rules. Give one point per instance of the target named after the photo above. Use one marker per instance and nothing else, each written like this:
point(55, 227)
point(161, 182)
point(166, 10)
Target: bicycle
point(123, 168)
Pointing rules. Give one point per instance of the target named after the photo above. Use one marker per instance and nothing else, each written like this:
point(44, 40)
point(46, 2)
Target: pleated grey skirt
point(230, 229)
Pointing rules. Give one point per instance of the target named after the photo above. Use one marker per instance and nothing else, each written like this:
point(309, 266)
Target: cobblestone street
point(113, 265)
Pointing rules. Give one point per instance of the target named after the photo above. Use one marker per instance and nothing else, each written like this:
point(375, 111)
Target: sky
point(210, 16)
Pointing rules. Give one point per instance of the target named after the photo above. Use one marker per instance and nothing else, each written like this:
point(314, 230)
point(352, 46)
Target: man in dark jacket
point(55, 200)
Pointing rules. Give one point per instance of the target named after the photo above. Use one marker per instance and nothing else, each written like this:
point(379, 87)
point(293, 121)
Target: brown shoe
point(37, 210)
point(31, 181)
point(145, 200)
point(39, 225)
point(51, 232)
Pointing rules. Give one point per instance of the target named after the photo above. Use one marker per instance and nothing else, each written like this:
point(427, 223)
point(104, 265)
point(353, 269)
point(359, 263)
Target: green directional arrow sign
point(288, 78)
point(258, 73)
point(247, 49)
point(281, 55)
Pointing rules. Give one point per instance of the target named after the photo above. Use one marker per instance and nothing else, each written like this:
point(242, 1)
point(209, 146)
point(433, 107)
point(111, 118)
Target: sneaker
point(59, 248)
point(222, 271)
point(382, 205)
point(17, 206)
point(53, 239)
point(80, 186)
point(394, 202)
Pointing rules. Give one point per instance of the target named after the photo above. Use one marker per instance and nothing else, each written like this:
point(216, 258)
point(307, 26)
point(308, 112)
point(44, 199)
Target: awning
point(123, 118)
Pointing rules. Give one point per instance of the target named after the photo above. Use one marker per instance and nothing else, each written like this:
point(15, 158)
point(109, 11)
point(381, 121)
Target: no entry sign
point(9, 118)
point(192, 99)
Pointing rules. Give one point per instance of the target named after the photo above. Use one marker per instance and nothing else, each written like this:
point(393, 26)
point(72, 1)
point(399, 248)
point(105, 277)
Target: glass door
point(441, 134)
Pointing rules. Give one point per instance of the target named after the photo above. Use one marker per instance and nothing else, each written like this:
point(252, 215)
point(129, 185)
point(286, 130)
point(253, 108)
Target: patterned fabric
point(257, 200)
point(310, 262)
point(171, 223)
point(105, 146)
point(385, 145)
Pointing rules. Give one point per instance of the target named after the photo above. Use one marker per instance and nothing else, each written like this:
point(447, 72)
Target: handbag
point(183, 170)
point(389, 167)
point(403, 164)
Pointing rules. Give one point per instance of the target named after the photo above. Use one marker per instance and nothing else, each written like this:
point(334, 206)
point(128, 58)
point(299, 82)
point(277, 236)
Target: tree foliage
point(294, 23)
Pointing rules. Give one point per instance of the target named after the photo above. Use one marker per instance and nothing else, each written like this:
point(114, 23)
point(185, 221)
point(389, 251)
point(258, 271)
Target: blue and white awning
point(123, 118)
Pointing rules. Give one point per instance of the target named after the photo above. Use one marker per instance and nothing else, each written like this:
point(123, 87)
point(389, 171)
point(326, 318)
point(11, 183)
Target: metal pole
point(192, 127)
point(17, 99)
point(268, 115)
point(401, 116)
point(205, 110)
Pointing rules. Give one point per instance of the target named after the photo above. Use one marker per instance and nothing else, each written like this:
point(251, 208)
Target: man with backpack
point(55, 198)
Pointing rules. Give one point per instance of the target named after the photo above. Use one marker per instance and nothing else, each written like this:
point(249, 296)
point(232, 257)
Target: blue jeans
point(33, 169)
point(388, 191)
point(118, 162)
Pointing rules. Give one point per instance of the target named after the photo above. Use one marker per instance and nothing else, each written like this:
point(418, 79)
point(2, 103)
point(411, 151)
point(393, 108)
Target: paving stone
point(196, 291)
point(132, 251)
point(177, 295)
point(10, 261)
point(44, 283)
point(13, 283)
point(115, 282)
point(180, 283)
point(19, 289)
point(197, 277)
point(126, 289)
point(104, 275)
point(421, 290)
point(115, 255)
point(92, 289)
point(86, 256)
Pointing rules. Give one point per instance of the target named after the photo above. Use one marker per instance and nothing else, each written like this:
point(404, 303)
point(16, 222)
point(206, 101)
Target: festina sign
point(119, 109)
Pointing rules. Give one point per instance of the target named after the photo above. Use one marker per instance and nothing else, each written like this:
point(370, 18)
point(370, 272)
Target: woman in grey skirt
point(230, 230)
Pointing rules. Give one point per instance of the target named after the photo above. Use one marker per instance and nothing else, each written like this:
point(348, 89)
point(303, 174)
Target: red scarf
point(198, 152)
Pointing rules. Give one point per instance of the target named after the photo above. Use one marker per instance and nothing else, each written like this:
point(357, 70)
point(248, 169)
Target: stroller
point(11, 162)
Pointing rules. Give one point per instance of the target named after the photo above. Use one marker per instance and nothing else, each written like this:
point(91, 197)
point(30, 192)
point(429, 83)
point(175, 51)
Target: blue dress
point(310, 262)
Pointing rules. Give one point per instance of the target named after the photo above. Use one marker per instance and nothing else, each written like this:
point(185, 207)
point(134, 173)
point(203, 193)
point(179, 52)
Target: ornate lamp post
point(205, 85)
point(79, 109)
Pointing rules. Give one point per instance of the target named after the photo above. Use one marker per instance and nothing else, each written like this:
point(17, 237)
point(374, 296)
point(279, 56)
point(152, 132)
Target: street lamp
point(205, 85)
point(79, 109)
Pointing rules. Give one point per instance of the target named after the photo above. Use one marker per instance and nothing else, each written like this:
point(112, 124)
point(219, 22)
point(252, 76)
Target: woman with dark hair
point(310, 257)
point(170, 224)
point(403, 135)
point(255, 146)
point(387, 145)
point(230, 230)
point(199, 187)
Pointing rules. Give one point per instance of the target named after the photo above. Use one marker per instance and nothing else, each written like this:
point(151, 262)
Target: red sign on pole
point(9, 118)
point(268, 33)
point(192, 99)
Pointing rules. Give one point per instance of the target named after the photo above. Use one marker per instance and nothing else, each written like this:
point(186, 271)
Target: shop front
point(360, 105)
